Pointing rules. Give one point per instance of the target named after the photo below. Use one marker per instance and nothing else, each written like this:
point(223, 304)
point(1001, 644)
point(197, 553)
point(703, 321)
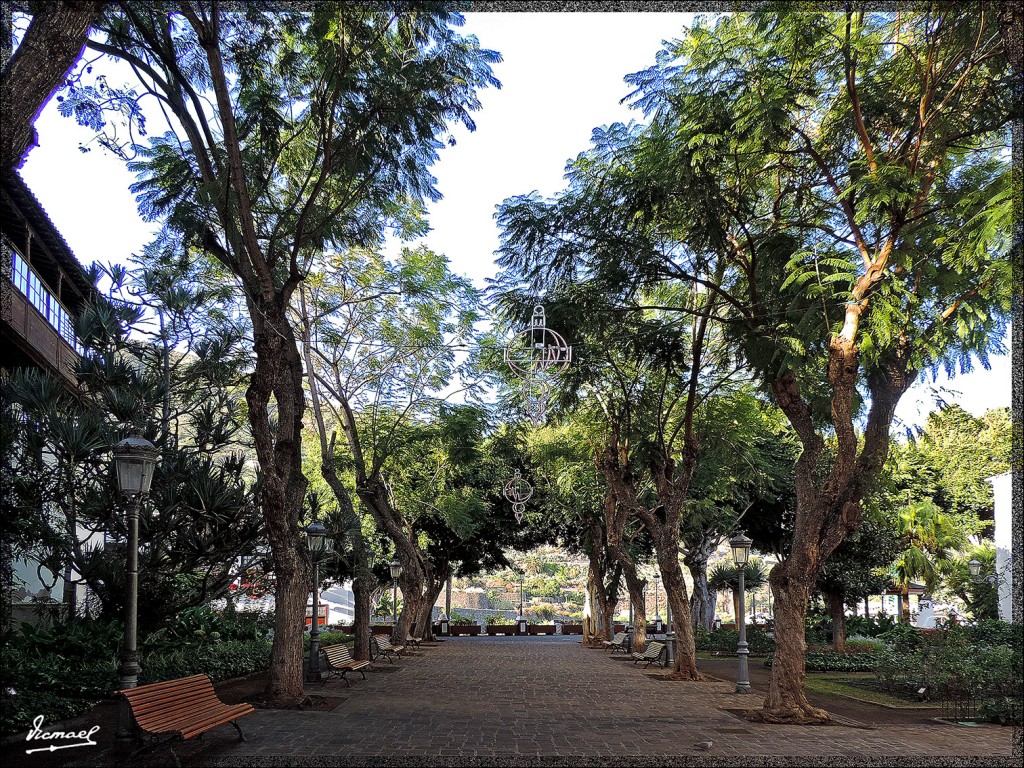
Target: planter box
point(464, 629)
point(501, 629)
point(541, 629)
point(348, 629)
point(572, 629)
point(619, 627)
point(381, 629)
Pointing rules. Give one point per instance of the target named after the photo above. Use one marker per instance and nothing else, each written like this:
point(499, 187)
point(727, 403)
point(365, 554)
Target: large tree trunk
point(675, 591)
point(837, 610)
point(361, 589)
point(278, 375)
point(51, 46)
point(786, 700)
point(636, 585)
point(424, 624)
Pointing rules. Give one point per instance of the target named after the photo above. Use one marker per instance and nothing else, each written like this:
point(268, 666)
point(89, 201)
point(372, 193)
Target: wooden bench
point(340, 662)
point(413, 641)
point(618, 641)
point(653, 652)
point(385, 648)
point(180, 710)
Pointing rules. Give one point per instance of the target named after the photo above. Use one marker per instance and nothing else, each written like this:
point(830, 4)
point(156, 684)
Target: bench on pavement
point(651, 655)
point(180, 710)
point(385, 648)
point(618, 641)
point(340, 662)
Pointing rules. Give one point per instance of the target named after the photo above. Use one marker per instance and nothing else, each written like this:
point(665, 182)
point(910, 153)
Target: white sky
point(562, 75)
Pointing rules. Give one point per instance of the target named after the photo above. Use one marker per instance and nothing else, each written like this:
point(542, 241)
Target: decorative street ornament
point(537, 355)
point(518, 491)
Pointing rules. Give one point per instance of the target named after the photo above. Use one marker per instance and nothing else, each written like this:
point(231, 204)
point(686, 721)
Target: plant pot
point(572, 629)
point(465, 629)
point(501, 629)
point(542, 629)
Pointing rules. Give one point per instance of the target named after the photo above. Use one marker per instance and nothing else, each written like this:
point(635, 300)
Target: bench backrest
point(620, 637)
point(383, 642)
point(653, 650)
point(338, 655)
point(151, 703)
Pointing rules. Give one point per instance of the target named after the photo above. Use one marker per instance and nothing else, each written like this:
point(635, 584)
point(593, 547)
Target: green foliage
point(329, 638)
point(979, 662)
point(903, 638)
point(65, 671)
point(498, 619)
point(723, 642)
point(220, 661)
point(461, 619)
point(836, 662)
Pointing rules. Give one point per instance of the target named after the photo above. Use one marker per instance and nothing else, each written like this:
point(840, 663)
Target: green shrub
point(725, 641)
point(903, 637)
point(461, 619)
point(498, 619)
point(221, 661)
point(835, 662)
point(329, 638)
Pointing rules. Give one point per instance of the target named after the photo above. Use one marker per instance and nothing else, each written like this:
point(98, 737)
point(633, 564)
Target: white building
point(1002, 491)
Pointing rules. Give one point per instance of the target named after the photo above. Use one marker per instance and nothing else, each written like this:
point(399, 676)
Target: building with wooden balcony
point(43, 288)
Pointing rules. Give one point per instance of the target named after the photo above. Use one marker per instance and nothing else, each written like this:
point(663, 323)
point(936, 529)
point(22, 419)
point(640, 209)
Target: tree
point(201, 523)
point(726, 576)
point(857, 569)
point(377, 342)
point(290, 131)
point(929, 541)
point(52, 44)
point(837, 185)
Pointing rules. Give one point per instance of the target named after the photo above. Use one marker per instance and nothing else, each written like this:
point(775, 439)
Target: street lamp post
point(317, 543)
point(740, 546)
point(396, 571)
point(657, 612)
point(135, 458)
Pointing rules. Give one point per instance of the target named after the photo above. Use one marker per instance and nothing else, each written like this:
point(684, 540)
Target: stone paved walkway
point(540, 701)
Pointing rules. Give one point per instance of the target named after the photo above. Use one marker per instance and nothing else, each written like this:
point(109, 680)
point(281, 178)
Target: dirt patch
point(304, 704)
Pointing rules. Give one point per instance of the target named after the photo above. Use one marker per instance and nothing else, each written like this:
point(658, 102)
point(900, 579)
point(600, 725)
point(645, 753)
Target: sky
point(562, 76)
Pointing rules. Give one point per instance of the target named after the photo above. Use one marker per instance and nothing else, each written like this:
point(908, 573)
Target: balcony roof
point(20, 207)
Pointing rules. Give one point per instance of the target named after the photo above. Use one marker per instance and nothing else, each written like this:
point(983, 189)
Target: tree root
point(795, 715)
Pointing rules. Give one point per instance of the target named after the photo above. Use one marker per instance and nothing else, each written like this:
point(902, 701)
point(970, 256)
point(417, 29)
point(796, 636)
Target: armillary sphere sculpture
point(518, 491)
point(537, 355)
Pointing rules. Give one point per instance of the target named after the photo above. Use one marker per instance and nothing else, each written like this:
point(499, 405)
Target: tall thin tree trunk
point(278, 376)
point(361, 589)
point(702, 601)
point(837, 608)
point(635, 585)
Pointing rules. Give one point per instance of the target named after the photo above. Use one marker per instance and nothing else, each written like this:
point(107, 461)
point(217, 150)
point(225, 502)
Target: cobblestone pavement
point(546, 700)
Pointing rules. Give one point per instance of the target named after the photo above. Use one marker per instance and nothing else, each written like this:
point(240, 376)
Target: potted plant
point(461, 624)
point(541, 629)
point(500, 625)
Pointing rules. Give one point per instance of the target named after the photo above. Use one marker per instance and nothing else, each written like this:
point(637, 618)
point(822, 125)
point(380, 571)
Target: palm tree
point(930, 542)
point(726, 575)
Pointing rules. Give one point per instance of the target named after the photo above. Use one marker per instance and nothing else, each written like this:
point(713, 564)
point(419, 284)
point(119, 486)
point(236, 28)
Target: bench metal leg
point(241, 736)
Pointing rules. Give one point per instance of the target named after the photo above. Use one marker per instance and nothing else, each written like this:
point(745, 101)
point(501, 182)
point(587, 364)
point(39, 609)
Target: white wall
point(1002, 490)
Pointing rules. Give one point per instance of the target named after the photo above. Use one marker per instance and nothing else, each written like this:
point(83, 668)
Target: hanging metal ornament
point(537, 355)
point(518, 491)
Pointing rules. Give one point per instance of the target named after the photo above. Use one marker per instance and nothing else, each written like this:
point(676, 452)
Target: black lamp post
point(317, 543)
point(740, 546)
point(135, 458)
point(657, 613)
point(396, 571)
